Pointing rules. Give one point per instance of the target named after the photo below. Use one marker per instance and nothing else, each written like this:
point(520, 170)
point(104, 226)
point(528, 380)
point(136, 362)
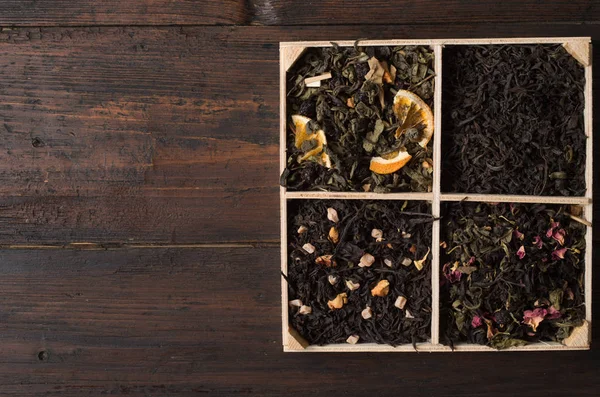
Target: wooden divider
point(580, 48)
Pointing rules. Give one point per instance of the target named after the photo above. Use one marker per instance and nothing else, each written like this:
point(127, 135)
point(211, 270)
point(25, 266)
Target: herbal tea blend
point(365, 124)
point(359, 271)
point(513, 120)
point(511, 273)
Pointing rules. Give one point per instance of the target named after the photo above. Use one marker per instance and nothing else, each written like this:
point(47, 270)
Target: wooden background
point(139, 204)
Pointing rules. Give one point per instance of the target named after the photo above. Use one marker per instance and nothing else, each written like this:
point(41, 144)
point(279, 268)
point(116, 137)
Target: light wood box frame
point(579, 48)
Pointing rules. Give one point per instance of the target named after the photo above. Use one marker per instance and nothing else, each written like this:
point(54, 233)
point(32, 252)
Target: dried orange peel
point(411, 112)
point(302, 135)
point(390, 163)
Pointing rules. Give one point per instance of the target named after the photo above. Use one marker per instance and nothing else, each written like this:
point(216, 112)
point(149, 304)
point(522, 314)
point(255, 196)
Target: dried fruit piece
point(305, 309)
point(408, 314)
point(413, 113)
point(406, 262)
point(377, 234)
point(352, 285)
point(381, 289)
point(388, 262)
point(308, 247)
point(332, 215)
point(367, 313)
point(390, 163)
point(325, 260)
point(338, 302)
point(302, 229)
point(332, 279)
point(334, 236)
point(420, 262)
point(366, 260)
point(296, 303)
point(302, 136)
point(400, 302)
point(353, 339)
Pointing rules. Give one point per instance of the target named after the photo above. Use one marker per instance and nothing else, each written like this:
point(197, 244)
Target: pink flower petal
point(559, 254)
point(518, 235)
point(537, 241)
point(553, 313)
point(476, 322)
point(559, 236)
point(533, 318)
point(521, 252)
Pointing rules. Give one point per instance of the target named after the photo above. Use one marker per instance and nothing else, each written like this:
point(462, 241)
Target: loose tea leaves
point(368, 143)
point(511, 274)
point(513, 120)
point(367, 284)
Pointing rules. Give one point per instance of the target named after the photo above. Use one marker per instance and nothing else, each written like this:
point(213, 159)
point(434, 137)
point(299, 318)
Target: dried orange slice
point(413, 112)
point(301, 136)
point(389, 163)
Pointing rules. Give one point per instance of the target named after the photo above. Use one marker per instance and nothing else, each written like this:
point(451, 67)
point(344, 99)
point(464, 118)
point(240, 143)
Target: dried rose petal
point(533, 318)
point(553, 313)
point(553, 226)
point(452, 276)
point(476, 322)
point(521, 252)
point(559, 254)
point(559, 236)
point(537, 241)
point(518, 235)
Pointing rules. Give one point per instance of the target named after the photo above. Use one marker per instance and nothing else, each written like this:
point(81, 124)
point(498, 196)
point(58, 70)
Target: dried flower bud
point(559, 254)
point(367, 313)
point(366, 260)
point(408, 314)
point(332, 215)
point(332, 279)
point(305, 309)
point(334, 236)
point(559, 236)
point(325, 260)
point(302, 229)
point(388, 262)
point(352, 285)
point(353, 339)
point(308, 247)
point(420, 262)
point(537, 241)
point(377, 234)
point(381, 289)
point(521, 252)
point(400, 302)
point(296, 303)
point(406, 261)
point(518, 235)
point(338, 302)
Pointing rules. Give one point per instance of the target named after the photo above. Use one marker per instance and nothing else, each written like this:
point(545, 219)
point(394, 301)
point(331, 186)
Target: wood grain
point(281, 12)
point(183, 322)
point(167, 135)
point(118, 12)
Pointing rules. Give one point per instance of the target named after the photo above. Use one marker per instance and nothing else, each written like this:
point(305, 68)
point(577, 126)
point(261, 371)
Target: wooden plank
point(372, 12)
point(279, 12)
point(435, 207)
point(188, 322)
point(117, 12)
point(150, 135)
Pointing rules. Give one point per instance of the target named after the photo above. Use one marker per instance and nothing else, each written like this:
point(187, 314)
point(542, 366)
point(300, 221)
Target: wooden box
point(580, 49)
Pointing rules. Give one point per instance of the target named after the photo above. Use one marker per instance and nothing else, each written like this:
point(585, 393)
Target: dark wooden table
point(139, 203)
